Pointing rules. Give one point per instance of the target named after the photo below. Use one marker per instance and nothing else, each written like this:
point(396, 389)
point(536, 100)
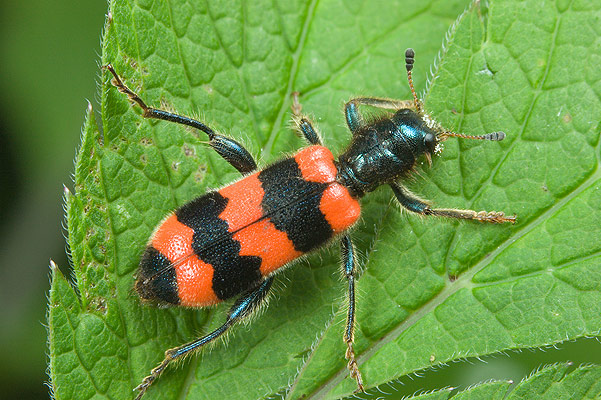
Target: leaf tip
point(53, 267)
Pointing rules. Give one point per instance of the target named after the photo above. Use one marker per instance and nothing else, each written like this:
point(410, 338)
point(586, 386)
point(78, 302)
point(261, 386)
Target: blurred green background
point(50, 54)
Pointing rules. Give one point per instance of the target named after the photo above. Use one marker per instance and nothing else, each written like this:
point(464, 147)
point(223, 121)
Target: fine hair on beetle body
point(230, 243)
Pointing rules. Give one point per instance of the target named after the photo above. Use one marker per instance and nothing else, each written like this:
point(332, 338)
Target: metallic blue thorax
point(383, 151)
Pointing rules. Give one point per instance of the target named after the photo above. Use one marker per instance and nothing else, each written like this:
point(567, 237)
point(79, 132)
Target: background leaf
point(431, 291)
point(550, 382)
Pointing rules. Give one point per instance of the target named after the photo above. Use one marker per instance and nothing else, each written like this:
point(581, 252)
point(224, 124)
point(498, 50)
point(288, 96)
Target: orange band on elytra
point(194, 277)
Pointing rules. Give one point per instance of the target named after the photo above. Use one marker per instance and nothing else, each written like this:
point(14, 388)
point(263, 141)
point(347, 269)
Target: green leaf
point(551, 382)
point(431, 290)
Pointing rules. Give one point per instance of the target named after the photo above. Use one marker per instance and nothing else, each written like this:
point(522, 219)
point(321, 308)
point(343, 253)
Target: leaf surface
point(431, 290)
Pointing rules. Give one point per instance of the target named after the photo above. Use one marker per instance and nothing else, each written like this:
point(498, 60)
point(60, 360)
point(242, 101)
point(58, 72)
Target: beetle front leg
point(354, 120)
point(412, 203)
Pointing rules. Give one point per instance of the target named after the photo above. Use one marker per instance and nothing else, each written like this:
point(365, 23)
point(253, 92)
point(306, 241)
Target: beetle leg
point(351, 111)
point(412, 203)
point(231, 151)
point(304, 124)
point(243, 307)
point(354, 120)
point(348, 260)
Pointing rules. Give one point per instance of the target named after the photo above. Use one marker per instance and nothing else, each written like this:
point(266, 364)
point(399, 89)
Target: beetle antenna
point(494, 136)
point(409, 60)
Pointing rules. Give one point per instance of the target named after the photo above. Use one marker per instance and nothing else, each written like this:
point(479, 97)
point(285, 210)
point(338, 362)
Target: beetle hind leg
point(229, 149)
point(241, 309)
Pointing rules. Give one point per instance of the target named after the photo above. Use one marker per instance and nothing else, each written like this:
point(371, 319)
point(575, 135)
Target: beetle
point(230, 243)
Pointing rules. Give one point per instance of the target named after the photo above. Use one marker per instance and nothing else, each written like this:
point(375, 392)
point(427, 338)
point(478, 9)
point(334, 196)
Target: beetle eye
point(430, 141)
